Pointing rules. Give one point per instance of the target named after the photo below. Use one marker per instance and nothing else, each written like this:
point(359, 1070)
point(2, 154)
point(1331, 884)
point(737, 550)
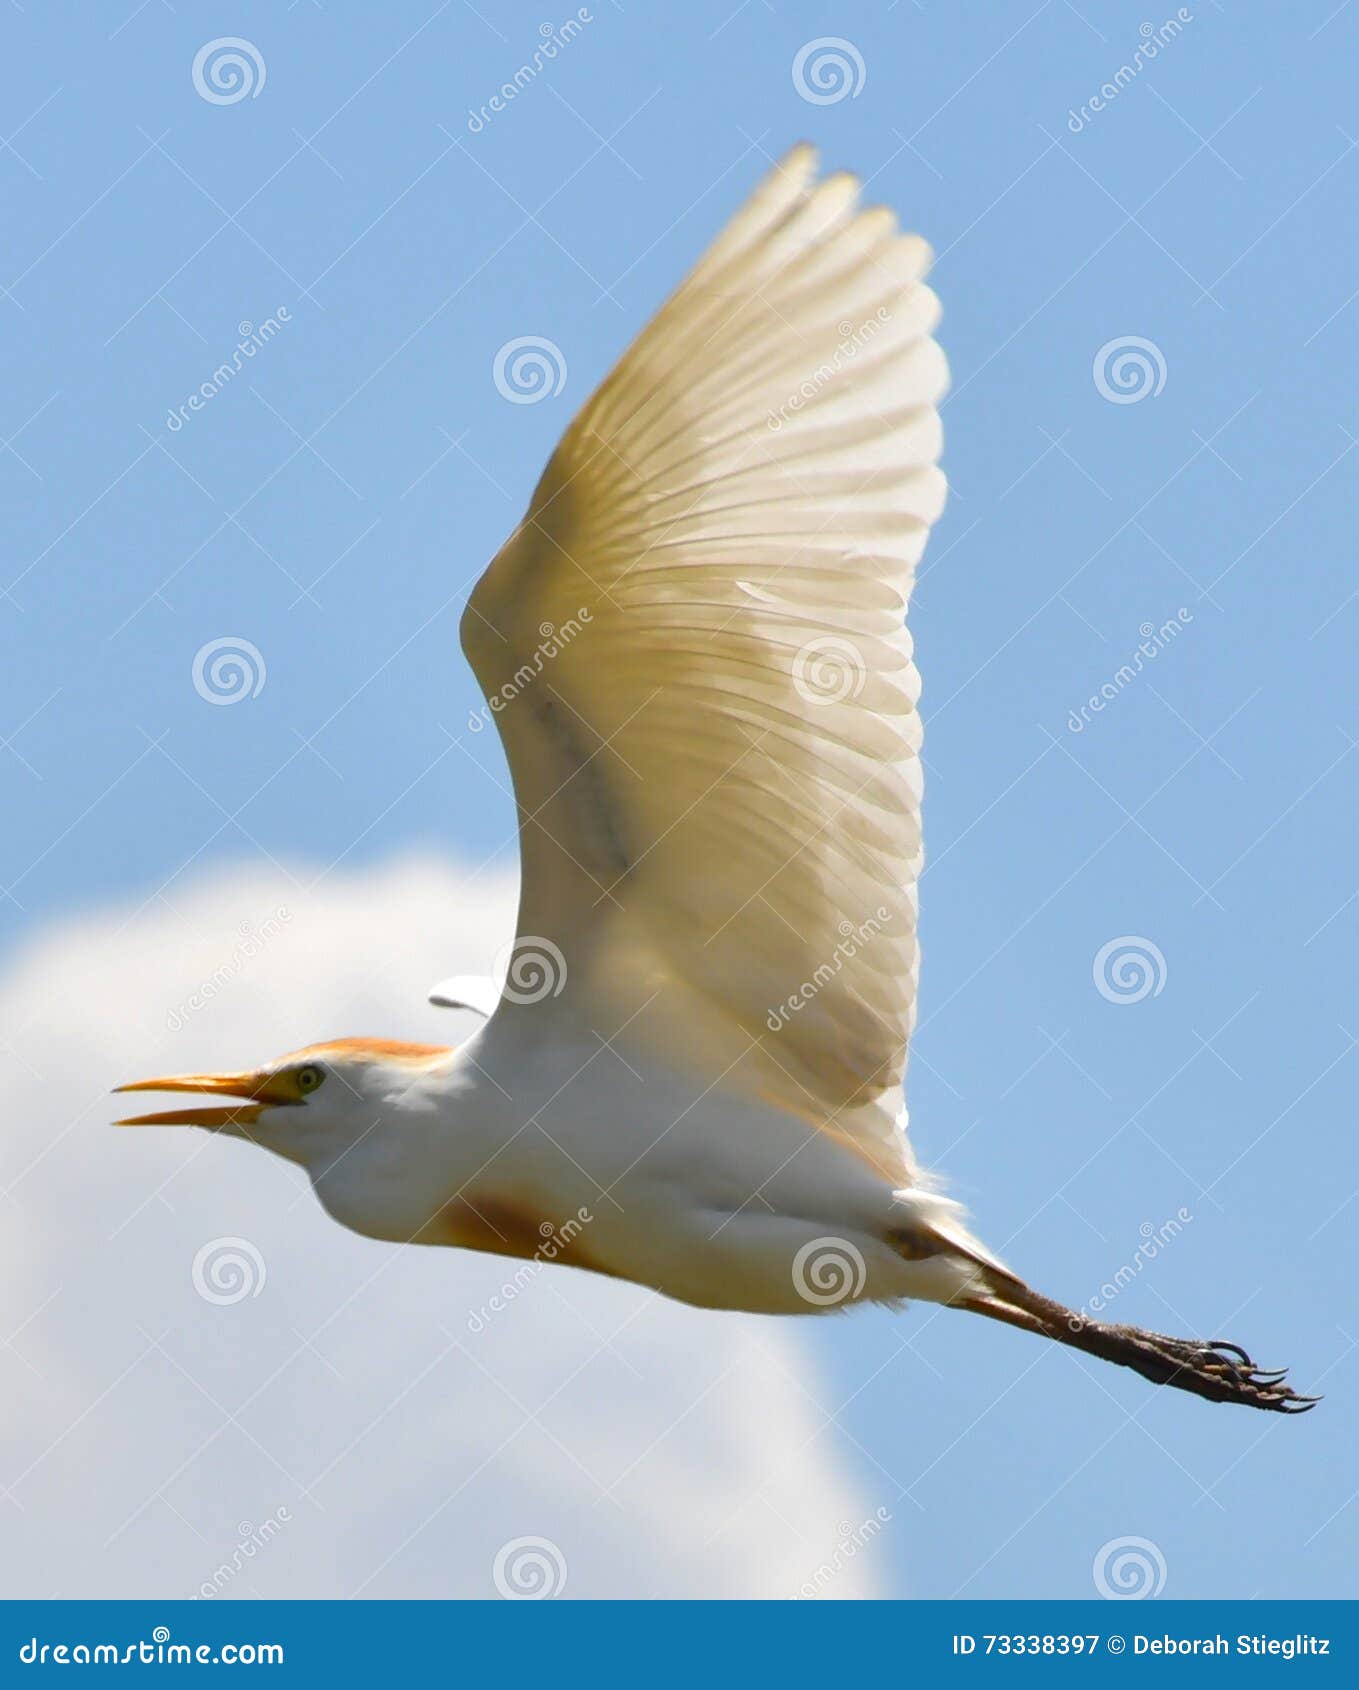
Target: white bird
point(694, 646)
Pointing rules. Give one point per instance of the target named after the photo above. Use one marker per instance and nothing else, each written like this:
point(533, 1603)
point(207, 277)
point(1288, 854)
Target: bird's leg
point(1219, 1371)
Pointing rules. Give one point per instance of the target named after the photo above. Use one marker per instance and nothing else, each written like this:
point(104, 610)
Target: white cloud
point(347, 1409)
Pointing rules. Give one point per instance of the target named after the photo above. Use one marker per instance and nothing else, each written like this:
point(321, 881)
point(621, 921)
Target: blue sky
point(332, 503)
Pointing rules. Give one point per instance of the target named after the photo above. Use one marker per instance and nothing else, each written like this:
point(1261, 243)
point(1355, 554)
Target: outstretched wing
point(695, 649)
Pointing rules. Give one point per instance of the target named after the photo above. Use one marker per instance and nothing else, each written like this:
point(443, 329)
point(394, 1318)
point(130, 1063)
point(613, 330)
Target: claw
point(1219, 1371)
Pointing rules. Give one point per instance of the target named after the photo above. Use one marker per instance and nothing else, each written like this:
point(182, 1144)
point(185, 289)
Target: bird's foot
point(1217, 1370)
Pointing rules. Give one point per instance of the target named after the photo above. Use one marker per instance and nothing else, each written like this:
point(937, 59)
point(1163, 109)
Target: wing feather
point(696, 650)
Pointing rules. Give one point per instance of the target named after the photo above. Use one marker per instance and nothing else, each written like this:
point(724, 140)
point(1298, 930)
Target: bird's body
point(694, 646)
point(494, 1146)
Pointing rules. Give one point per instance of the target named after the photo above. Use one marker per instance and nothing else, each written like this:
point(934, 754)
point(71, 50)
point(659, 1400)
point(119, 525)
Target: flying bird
point(694, 646)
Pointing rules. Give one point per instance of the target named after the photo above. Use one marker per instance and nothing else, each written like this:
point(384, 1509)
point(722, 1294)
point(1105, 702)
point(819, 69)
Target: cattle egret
point(694, 646)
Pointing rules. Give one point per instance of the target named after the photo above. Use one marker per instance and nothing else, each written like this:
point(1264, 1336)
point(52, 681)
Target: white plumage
point(722, 765)
point(695, 648)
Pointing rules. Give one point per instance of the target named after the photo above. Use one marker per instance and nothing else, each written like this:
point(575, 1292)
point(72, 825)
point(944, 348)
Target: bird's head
point(301, 1104)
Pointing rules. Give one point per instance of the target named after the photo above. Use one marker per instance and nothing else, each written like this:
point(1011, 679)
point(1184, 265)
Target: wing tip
point(801, 159)
point(801, 164)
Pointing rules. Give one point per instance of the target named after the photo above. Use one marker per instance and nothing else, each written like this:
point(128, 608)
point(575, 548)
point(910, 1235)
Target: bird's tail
point(1214, 1369)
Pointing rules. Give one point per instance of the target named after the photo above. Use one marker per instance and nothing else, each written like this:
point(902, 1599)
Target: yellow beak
point(266, 1088)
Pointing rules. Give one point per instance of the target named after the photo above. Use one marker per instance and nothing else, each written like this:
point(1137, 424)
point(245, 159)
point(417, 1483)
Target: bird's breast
point(504, 1226)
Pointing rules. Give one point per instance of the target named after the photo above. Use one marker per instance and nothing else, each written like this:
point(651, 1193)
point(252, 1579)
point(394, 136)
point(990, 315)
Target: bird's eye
point(309, 1078)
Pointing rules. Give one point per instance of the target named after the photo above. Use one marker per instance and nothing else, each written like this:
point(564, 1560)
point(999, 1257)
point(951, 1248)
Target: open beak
point(263, 1089)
